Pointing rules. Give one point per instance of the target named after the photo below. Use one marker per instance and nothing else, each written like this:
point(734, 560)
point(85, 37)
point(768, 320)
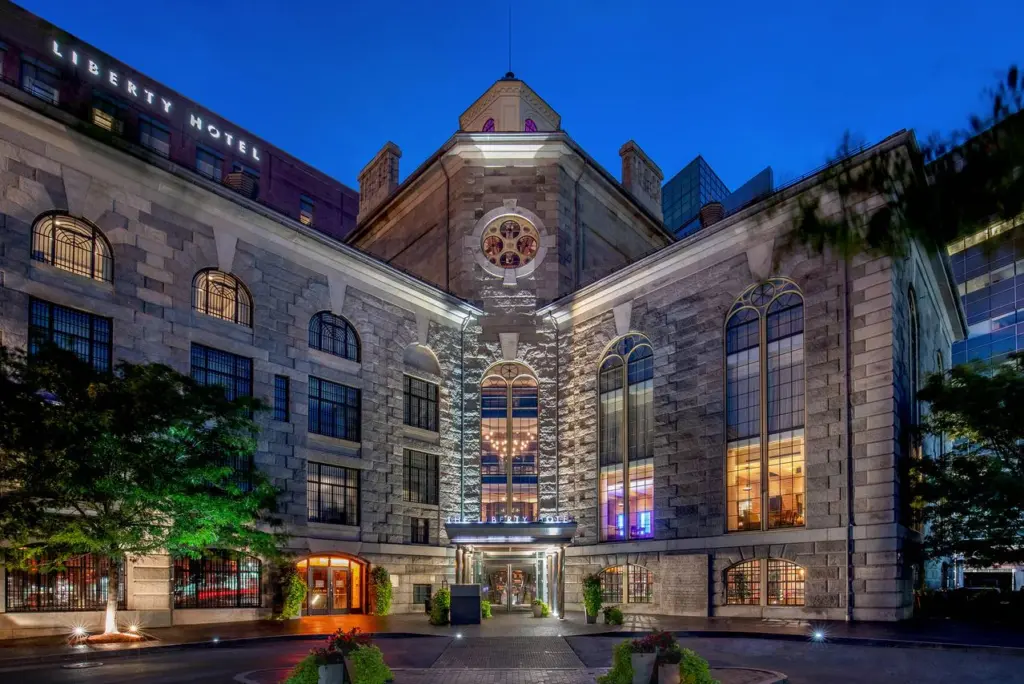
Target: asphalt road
point(805, 663)
point(815, 663)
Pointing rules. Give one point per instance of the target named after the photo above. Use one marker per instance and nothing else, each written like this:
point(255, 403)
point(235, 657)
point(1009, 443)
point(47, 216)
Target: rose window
point(510, 242)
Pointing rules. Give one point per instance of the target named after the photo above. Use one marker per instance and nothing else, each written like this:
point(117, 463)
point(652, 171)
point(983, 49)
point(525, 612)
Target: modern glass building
point(686, 192)
point(989, 268)
point(696, 185)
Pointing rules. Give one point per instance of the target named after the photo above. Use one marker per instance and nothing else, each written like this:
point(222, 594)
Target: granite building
point(508, 374)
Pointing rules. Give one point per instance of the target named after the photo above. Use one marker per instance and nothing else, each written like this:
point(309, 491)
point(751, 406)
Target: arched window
point(626, 440)
point(223, 296)
point(334, 335)
point(530, 126)
point(783, 581)
point(765, 439)
point(488, 126)
point(508, 442)
point(915, 357)
point(73, 245)
point(635, 582)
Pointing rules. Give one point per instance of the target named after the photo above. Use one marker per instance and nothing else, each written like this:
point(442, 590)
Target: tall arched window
point(73, 245)
point(626, 440)
point(508, 442)
point(334, 335)
point(765, 439)
point(223, 296)
point(915, 357)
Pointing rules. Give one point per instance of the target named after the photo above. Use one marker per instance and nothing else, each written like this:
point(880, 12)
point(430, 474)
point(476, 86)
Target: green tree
point(124, 464)
point(950, 186)
point(972, 497)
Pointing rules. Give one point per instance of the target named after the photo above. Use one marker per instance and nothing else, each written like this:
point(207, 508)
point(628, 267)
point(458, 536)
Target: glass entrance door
point(334, 586)
point(510, 587)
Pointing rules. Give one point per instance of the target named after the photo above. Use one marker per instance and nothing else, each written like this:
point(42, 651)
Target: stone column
point(561, 584)
point(458, 565)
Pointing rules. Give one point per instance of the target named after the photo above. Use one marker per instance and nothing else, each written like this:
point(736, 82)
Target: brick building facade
point(522, 346)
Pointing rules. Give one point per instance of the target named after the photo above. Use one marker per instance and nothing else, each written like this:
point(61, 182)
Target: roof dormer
point(509, 106)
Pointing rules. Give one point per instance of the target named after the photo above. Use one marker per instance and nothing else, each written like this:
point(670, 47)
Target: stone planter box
point(591, 619)
point(537, 612)
point(668, 673)
point(333, 674)
point(643, 667)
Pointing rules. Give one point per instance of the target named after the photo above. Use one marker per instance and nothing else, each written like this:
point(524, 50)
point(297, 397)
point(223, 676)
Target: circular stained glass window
point(510, 242)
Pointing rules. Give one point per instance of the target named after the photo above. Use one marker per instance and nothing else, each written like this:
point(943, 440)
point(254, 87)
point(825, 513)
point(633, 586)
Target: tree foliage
point(950, 186)
point(124, 464)
point(972, 497)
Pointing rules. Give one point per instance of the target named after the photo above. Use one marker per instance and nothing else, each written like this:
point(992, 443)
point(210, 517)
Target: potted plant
point(642, 656)
point(485, 609)
point(592, 597)
point(613, 615)
point(440, 607)
point(540, 609)
point(331, 659)
point(668, 665)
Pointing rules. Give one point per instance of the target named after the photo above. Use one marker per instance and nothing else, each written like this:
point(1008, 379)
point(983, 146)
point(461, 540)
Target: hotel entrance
point(509, 586)
point(334, 585)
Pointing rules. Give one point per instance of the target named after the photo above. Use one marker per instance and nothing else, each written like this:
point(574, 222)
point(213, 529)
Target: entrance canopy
point(535, 535)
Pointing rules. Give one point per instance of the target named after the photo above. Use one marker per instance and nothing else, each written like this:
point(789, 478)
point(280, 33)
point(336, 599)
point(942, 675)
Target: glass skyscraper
point(989, 271)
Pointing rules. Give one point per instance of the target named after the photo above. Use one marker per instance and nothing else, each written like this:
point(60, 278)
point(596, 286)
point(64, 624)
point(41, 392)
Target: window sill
point(766, 531)
point(334, 362)
point(422, 435)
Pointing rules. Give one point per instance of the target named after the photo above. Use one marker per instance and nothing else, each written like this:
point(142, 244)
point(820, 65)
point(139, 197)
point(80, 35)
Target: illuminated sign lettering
point(124, 84)
point(504, 519)
point(229, 138)
point(113, 78)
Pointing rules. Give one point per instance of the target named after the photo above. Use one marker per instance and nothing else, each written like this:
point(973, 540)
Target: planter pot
point(643, 667)
point(668, 673)
point(591, 619)
point(537, 612)
point(332, 674)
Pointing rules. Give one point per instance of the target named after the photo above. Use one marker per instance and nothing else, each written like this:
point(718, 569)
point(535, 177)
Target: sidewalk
point(934, 634)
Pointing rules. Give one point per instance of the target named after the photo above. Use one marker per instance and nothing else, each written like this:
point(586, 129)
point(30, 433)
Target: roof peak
point(510, 106)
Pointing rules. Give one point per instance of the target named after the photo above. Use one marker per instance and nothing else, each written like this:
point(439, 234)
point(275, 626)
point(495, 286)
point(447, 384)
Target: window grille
point(80, 584)
point(224, 580)
point(334, 410)
point(421, 405)
point(72, 245)
point(332, 494)
point(88, 336)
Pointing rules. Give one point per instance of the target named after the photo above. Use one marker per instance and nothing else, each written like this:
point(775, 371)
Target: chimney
point(641, 177)
point(378, 179)
point(711, 213)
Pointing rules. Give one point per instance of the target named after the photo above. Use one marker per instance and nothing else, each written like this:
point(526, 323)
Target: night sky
point(746, 84)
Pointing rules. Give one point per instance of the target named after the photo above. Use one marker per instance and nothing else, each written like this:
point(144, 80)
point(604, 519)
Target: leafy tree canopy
point(972, 497)
point(125, 463)
point(951, 186)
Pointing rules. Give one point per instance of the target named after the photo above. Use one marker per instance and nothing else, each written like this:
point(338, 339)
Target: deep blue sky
point(746, 84)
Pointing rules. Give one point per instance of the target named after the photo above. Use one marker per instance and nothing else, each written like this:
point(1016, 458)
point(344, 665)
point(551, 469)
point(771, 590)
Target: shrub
point(485, 608)
point(305, 671)
point(380, 581)
point(622, 665)
point(613, 615)
point(694, 670)
point(439, 606)
point(294, 592)
point(592, 594)
point(368, 666)
point(343, 643)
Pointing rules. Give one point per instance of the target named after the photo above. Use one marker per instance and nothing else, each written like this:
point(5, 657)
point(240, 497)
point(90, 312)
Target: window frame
point(241, 299)
point(519, 473)
point(44, 246)
point(39, 336)
point(430, 403)
point(92, 596)
point(632, 584)
point(282, 398)
point(426, 483)
point(617, 360)
point(147, 125)
point(112, 108)
point(217, 173)
point(185, 570)
point(51, 79)
point(419, 530)
point(333, 334)
point(346, 407)
point(418, 589)
point(314, 491)
point(241, 370)
point(761, 594)
point(307, 211)
point(758, 301)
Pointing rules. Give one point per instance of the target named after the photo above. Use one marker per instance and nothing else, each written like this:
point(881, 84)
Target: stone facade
point(604, 267)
